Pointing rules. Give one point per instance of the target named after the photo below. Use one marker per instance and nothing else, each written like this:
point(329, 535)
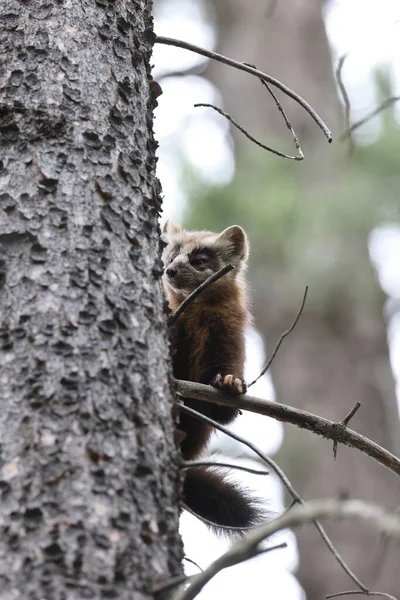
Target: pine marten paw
point(229, 383)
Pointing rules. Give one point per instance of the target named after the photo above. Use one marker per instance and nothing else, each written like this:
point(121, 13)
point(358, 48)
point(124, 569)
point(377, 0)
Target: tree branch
point(187, 301)
point(243, 67)
point(206, 463)
point(287, 414)
point(283, 336)
point(248, 135)
point(248, 546)
point(385, 104)
point(286, 482)
point(361, 593)
point(346, 100)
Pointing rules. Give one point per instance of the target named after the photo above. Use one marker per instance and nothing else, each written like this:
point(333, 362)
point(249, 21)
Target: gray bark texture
point(88, 471)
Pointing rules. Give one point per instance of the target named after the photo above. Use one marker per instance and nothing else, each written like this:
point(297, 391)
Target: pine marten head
point(190, 257)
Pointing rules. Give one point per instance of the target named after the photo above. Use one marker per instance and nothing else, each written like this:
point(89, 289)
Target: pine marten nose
point(171, 272)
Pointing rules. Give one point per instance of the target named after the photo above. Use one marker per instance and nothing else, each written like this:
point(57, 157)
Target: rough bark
point(88, 476)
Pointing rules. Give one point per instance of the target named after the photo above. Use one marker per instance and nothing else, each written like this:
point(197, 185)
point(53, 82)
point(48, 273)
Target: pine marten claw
point(229, 383)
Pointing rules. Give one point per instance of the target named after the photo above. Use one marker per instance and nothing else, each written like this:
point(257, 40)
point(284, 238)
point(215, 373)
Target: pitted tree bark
point(88, 476)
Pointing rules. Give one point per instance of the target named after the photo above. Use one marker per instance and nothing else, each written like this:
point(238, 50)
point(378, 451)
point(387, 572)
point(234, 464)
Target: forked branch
point(244, 67)
point(248, 546)
point(331, 430)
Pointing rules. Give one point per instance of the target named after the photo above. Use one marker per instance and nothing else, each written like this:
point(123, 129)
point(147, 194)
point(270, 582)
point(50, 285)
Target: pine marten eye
point(198, 261)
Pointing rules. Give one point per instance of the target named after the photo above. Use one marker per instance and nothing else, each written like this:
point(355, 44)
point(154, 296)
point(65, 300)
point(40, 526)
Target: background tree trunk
point(287, 40)
point(338, 353)
point(88, 472)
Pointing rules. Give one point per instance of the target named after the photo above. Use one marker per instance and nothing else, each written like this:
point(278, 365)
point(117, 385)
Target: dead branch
point(187, 301)
point(385, 104)
point(286, 482)
point(248, 135)
point(205, 463)
point(360, 593)
point(346, 100)
point(243, 67)
point(283, 336)
point(247, 547)
point(287, 414)
point(345, 422)
point(285, 118)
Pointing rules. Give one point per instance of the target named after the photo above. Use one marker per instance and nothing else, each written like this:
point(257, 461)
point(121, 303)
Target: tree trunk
point(88, 464)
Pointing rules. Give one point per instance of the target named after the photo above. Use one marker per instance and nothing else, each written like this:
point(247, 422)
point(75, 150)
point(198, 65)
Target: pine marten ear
point(234, 241)
point(171, 228)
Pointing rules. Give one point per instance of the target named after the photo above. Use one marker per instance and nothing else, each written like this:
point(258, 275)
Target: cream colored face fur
point(190, 257)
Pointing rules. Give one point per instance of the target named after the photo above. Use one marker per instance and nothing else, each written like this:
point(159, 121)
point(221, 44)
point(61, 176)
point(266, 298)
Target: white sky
point(369, 30)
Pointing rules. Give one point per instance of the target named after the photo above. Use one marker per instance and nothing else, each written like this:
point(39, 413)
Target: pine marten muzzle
point(208, 346)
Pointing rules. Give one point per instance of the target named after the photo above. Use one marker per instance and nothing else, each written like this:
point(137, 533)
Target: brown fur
point(208, 342)
point(208, 346)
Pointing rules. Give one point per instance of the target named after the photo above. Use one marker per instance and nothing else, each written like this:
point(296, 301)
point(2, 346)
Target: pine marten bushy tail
point(209, 493)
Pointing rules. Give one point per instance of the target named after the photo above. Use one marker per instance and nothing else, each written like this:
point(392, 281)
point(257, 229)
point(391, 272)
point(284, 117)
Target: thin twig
point(247, 547)
point(285, 118)
point(170, 583)
point(344, 424)
point(379, 560)
point(288, 414)
point(242, 67)
point(346, 100)
point(360, 593)
point(385, 104)
point(247, 134)
point(283, 336)
point(286, 482)
point(270, 548)
point(204, 463)
point(187, 301)
point(193, 562)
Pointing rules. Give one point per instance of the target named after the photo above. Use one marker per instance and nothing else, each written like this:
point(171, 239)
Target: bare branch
point(205, 463)
point(286, 482)
point(346, 99)
point(361, 593)
point(157, 588)
point(243, 67)
point(247, 547)
point(385, 104)
point(344, 424)
point(270, 548)
point(288, 414)
point(193, 562)
point(283, 336)
point(247, 134)
point(282, 111)
point(212, 279)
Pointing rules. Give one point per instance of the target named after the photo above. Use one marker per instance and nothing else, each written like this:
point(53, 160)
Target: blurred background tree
point(309, 224)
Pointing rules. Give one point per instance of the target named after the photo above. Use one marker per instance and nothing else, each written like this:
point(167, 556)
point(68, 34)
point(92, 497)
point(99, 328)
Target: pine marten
point(208, 346)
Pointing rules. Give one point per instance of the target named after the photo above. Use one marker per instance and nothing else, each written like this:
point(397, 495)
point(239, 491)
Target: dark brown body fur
point(209, 340)
point(208, 346)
